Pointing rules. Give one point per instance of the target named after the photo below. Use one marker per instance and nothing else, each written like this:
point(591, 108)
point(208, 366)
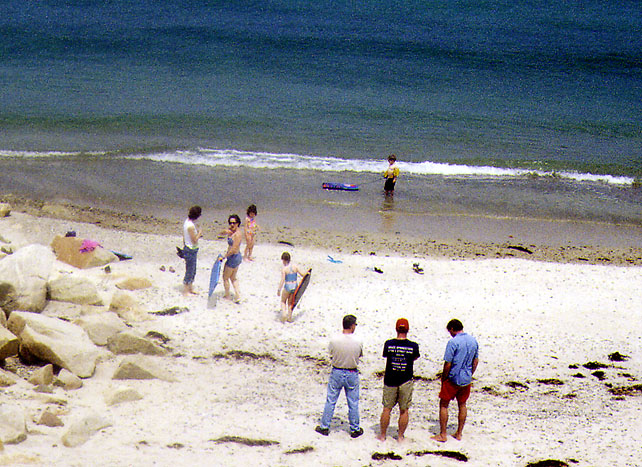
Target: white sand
point(532, 321)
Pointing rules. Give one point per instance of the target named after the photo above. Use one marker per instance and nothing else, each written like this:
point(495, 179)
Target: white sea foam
point(264, 160)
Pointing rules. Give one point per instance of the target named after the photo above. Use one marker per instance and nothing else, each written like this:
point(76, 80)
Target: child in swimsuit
point(251, 227)
point(287, 286)
point(391, 174)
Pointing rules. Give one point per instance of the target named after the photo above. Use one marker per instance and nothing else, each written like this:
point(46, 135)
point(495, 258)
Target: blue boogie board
point(339, 186)
point(214, 277)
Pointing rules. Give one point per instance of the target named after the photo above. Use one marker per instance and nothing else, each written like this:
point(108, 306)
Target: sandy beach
point(249, 389)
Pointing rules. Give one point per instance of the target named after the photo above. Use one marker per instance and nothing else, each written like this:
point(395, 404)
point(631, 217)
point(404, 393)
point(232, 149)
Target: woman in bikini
point(233, 257)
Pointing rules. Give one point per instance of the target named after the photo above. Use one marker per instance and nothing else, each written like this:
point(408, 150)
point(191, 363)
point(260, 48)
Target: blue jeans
point(348, 380)
point(189, 255)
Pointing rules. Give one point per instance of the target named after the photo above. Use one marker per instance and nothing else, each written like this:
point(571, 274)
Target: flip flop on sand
point(417, 269)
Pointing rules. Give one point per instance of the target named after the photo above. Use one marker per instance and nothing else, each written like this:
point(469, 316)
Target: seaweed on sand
point(547, 463)
point(594, 365)
point(379, 456)
point(244, 441)
point(551, 381)
point(634, 390)
point(449, 454)
point(617, 357)
point(302, 450)
point(517, 385)
point(243, 355)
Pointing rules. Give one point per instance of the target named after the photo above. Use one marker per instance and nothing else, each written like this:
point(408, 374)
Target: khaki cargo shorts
point(399, 394)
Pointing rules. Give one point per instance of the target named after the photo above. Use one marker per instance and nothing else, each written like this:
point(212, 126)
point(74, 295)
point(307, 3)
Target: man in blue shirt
point(460, 362)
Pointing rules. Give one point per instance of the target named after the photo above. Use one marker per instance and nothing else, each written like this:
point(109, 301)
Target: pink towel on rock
point(89, 245)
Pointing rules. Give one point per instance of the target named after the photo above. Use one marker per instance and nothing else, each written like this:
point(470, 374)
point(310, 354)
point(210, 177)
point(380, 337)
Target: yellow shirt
point(392, 171)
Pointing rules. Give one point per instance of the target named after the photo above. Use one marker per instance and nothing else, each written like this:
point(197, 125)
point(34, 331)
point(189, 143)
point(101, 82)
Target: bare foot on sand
point(381, 437)
point(441, 438)
point(457, 436)
point(401, 439)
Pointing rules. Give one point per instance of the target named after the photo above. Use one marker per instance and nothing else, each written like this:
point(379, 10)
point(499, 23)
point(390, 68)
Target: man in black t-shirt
point(397, 381)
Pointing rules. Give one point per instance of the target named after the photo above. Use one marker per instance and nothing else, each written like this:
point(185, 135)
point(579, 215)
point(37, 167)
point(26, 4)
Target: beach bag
point(179, 252)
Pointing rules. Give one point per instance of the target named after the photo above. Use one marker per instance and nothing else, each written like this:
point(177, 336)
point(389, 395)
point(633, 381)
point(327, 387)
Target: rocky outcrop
point(55, 341)
point(13, 426)
point(67, 250)
point(129, 342)
point(101, 326)
point(72, 289)
point(23, 279)
point(8, 343)
point(84, 428)
point(140, 367)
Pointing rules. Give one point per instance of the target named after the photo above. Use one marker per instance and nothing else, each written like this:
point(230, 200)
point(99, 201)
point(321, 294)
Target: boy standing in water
point(288, 284)
point(251, 227)
point(391, 174)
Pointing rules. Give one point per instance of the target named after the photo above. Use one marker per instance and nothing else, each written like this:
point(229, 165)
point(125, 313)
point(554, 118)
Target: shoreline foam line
point(273, 161)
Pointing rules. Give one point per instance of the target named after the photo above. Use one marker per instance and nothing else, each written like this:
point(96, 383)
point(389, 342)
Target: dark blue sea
point(522, 108)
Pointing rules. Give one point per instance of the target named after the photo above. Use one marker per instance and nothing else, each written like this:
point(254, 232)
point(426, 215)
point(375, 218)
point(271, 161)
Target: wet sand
point(454, 237)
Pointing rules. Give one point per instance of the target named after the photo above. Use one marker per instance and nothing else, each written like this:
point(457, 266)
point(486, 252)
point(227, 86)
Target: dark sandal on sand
point(417, 269)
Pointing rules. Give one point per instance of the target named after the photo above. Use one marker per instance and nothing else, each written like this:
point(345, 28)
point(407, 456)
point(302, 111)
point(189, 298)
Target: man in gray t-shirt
point(345, 352)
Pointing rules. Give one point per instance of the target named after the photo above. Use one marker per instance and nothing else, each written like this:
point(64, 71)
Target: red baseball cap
point(402, 325)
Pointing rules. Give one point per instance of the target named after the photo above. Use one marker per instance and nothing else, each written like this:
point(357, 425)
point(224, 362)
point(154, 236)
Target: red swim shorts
point(450, 391)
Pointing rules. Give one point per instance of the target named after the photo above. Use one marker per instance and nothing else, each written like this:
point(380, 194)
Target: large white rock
point(50, 419)
point(23, 279)
point(67, 250)
point(7, 378)
point(126, 306)
point(120, 394)
point(5, 209)
point(13, 426)
point(84, 428)
point(130, 342)
point(55, 341)
point(134, 283)
point(101, 326)
point(73, 289)
point(42, 376)
point(67, 380)
point(8, 342)
point(140, 367)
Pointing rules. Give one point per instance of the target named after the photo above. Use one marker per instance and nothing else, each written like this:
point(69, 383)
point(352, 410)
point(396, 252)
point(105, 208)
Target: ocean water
point(517, 108)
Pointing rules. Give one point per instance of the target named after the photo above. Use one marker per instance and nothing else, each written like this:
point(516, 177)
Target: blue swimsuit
point(290, 282)
point(234, 260)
